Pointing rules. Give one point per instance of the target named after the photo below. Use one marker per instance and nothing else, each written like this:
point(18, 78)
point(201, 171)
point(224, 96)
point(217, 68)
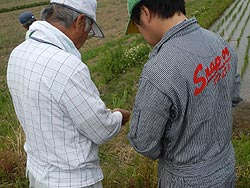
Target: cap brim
point(131, 28)
point(97, 31)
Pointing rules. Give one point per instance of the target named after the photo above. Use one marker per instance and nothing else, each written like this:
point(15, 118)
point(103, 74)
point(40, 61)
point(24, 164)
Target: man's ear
point(146, 13)
point(79, 22)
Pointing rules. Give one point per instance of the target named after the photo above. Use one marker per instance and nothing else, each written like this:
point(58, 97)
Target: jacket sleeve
point(87, 111)
point(236, 84)
point(236, 91)
point(149, 120)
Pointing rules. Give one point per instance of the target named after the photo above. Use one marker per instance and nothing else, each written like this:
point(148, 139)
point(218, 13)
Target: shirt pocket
point(134, 123)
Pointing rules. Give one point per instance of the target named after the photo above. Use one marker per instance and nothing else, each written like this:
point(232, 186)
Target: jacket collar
point(180, 29)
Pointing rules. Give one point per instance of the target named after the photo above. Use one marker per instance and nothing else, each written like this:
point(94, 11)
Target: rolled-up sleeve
point(149, 120)
point(87, 111)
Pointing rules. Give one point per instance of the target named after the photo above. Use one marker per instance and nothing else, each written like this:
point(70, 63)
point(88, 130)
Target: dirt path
point(234, 26)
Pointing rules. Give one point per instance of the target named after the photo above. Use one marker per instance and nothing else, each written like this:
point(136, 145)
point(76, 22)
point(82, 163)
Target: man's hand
point(125, 115)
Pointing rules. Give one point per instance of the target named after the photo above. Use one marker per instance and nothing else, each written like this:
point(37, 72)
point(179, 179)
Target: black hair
point(161, 8)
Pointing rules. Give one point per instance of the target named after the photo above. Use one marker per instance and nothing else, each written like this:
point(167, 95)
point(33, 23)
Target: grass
point(207, 11)
point(242, 151)
point(115, 67)
point(12, 5)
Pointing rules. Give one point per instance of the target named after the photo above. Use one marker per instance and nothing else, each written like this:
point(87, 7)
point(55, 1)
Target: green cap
point(131, 28)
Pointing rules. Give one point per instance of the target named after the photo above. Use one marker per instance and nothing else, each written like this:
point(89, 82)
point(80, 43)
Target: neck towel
point(47, 33)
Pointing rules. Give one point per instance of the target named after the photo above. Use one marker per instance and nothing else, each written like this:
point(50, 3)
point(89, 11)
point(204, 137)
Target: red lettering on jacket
point(198, 80)
point(216, 71)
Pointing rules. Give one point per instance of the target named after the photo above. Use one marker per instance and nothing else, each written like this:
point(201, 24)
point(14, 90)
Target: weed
point(119, 101)
point(118, 59)
point(136, 54)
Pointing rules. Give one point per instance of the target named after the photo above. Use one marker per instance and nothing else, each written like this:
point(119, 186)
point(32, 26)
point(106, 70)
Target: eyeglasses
point(88, 25)
point(91, 34)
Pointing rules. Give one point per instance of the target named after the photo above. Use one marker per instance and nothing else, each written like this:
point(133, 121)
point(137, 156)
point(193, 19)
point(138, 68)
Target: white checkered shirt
point(62, 115)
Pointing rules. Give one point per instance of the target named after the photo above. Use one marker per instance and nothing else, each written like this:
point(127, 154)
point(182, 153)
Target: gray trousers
point(36, 184)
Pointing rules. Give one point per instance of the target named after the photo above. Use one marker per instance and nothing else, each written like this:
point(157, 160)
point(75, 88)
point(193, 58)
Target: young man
point(26, 19)
point(183, 109)
point(57, 103)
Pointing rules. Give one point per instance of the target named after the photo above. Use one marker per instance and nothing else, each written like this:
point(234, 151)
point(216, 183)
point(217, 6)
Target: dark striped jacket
point(183, 109)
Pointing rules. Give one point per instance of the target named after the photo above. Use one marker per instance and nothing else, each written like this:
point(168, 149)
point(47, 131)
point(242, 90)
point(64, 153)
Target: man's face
point(145, 32)
point(146, 26)
point(26, 26)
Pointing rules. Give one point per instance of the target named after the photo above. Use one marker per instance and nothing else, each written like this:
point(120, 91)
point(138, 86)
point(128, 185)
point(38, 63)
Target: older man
point(183, 109)
point(57, 103)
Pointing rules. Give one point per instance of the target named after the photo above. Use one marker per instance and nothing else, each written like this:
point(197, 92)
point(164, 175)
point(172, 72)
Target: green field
point(115, 64)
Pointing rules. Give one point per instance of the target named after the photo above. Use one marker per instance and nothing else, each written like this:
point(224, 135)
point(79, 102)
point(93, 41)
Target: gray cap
point(87, 7)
